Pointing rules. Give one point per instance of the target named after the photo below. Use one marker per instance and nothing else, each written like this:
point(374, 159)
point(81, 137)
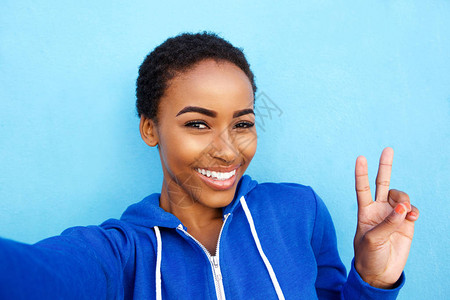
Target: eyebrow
point(201, 110)
point(243, 112)
point(211, 113)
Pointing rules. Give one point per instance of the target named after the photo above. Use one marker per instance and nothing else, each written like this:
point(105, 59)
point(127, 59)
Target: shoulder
point(294, 210)
point(289, 188)
point(289, 195)
point(288, 202)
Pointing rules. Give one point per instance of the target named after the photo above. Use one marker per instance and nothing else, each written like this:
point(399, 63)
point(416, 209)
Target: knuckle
point(372, 239)
point(407, 197)
point(383, 182)
point(389, 221)
point(363, 188)
point(404, 197)
point(398, 196)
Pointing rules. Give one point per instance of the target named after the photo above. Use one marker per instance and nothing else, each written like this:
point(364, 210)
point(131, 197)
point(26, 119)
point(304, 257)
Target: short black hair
point(178, 54)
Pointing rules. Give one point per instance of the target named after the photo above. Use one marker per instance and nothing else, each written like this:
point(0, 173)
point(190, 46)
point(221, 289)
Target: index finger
point(362, 185)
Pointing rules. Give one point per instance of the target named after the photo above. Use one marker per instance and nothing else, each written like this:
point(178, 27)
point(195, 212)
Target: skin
point(189, 140)
point(192, 140)
point(385, 226)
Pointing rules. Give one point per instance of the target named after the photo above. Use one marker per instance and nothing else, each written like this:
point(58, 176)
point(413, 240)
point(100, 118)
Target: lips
point(222, 179)
point(216, 175)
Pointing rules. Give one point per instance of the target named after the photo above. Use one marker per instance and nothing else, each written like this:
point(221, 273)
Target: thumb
point(390, 224)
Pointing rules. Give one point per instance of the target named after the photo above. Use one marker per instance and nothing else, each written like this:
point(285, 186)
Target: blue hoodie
point(277, 242)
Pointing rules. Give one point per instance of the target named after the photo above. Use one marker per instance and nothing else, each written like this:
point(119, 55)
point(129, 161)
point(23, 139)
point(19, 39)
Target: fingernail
point(400, 209)
point(408, 206)
point(413, 214)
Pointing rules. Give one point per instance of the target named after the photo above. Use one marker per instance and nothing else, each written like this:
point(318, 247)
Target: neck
point(194, 215)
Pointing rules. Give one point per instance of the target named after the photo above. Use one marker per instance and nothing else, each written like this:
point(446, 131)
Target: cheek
point(247, 146)
point(180, 152)
point(250, 151)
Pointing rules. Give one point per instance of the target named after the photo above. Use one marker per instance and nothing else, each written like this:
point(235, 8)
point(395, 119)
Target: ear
point(148, 131)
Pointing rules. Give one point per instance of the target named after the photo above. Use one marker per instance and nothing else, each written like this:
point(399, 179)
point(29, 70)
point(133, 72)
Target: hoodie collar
point(147, 213)
point(245, 185)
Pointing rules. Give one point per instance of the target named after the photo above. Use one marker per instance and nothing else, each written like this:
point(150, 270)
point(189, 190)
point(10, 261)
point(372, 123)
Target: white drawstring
point(269, 268)
point(158, 263)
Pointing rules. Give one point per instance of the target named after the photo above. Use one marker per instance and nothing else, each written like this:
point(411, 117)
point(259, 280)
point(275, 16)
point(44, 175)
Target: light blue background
point(350, 77)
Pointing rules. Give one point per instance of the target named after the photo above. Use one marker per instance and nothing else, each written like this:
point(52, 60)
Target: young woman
point(213, 232)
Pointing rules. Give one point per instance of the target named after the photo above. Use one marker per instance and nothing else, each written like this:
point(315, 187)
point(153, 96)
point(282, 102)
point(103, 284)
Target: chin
point(218, 198)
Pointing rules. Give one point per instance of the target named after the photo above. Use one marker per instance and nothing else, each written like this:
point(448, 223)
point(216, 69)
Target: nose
point(224, 147)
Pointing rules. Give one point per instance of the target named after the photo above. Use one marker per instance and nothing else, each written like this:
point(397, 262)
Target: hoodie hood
point(147, 213)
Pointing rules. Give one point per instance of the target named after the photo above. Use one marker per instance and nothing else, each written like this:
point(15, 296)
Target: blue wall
point(349, 78)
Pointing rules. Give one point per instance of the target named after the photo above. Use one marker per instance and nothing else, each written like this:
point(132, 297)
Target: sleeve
point(332, 281)
point(81, 263)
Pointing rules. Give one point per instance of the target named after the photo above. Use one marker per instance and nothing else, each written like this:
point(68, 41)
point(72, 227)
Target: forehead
point(211, 84)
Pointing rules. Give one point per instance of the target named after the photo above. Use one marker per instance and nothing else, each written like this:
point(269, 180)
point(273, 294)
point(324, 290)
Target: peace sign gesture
point(385, 226)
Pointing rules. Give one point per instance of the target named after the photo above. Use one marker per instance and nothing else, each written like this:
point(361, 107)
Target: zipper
point(218, 283)
point(213, 260)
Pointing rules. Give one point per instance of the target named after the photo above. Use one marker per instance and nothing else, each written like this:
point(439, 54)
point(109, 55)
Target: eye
point(245, 124)
point(196, 125)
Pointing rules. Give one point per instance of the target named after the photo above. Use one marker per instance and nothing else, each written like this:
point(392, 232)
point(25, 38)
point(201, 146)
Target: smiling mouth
point(216, 175)
point(217, 180)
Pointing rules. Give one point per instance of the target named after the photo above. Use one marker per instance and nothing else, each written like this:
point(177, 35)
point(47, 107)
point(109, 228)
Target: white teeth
point(216, 175)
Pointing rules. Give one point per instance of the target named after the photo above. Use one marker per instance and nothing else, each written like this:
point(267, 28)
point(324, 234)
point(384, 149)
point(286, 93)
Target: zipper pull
point(215, 261)
point(217, 273)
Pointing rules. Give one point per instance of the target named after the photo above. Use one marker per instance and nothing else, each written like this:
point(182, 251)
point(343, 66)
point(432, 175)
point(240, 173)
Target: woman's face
point(206, 133)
